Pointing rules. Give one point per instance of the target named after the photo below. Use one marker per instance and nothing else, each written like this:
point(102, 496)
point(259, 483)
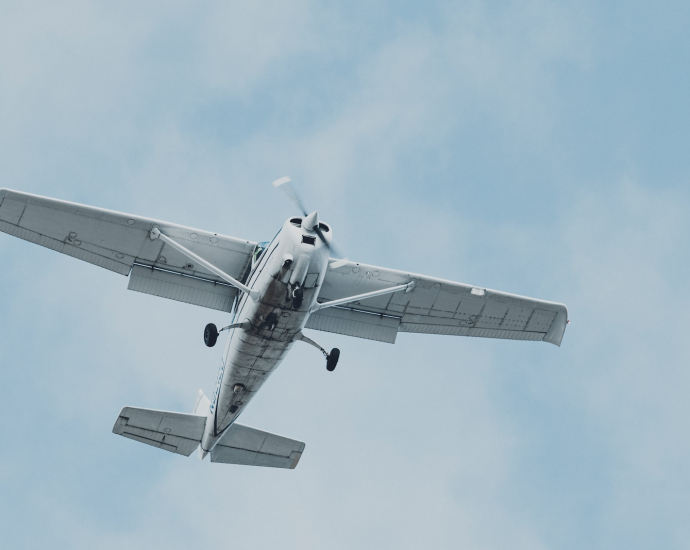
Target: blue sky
point(535, 147)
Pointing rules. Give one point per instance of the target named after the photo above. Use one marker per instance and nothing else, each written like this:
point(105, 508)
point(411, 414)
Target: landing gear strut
point(297, 297)
point(331, 358)
point(211, 332)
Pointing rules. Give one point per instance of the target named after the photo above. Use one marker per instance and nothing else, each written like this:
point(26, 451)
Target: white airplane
point(272, 291)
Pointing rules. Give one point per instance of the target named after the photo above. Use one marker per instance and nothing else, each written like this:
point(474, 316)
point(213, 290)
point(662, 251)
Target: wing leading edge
point(435, 306)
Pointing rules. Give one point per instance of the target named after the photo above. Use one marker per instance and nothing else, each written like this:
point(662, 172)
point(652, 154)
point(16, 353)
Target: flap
point(191, 290)
point(114, 240)
point(436, 306)
point(175, 432)
point(350, 322)
point(252, 447)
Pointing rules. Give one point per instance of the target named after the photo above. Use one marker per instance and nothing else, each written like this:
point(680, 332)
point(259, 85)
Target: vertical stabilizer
point(202, 406)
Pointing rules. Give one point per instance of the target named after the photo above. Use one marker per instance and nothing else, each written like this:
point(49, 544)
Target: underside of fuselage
point(291, 265)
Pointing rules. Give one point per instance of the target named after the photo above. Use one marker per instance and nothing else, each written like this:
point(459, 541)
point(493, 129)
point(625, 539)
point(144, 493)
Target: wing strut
point(409, 287)
point(156, 234)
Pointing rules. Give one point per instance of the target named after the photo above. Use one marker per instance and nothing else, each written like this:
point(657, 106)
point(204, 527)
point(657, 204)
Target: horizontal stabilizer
point(175, 432)
point(252, 447)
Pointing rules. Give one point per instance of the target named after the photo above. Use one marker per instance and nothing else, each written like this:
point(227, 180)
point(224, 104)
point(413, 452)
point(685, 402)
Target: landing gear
point(211, 332)
point(210, 335)
point(297, 297)
point(332, 359)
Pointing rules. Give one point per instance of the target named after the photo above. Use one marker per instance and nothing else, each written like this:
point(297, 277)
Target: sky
point(534, 147)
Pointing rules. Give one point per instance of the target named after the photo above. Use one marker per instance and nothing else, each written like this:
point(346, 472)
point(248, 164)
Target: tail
point(181, 433)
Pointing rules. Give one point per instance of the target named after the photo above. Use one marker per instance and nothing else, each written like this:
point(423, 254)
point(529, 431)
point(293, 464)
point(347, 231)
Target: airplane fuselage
point(296, 258)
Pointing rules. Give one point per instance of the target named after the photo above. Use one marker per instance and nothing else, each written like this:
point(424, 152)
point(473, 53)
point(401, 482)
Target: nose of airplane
point(311, 221)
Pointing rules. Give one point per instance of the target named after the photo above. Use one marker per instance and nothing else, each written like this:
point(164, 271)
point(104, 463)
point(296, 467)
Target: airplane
point(272, 292)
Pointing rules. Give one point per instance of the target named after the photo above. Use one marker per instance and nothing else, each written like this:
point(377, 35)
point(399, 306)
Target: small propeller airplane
point(272, 290)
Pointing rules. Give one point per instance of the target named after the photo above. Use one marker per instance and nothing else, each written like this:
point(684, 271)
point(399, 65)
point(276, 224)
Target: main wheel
point(210, 335)
point(332, 359)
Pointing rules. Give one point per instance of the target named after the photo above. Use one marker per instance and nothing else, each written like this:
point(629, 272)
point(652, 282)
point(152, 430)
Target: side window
point(258, 252)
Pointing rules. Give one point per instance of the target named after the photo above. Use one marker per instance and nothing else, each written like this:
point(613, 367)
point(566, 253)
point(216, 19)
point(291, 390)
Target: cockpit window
point(258, 251)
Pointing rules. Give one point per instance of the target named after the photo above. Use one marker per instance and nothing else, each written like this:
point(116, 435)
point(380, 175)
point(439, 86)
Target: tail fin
point(202, 406)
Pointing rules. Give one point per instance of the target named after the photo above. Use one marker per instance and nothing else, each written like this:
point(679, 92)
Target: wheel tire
point(332, 359)
point(210, 335)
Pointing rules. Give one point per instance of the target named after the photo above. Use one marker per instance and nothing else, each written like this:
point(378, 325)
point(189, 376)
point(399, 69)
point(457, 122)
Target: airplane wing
point(120, 242)
point(435, 306)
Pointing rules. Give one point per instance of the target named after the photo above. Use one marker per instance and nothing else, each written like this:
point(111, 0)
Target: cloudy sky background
point(537, 147)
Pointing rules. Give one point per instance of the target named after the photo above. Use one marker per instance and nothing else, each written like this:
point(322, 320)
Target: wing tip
point(557, 329)
point(298, 455)
point(122, 420)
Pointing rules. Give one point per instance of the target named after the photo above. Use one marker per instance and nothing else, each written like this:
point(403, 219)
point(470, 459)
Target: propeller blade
point(335, 252)
point(319, 232)
point(284, 184)
point(333, 249)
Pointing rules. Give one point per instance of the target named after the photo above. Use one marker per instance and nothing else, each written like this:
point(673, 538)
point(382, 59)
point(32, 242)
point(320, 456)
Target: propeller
point(285, 185)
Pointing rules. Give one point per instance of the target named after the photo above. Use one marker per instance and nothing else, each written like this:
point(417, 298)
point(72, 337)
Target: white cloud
point(626, 243)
